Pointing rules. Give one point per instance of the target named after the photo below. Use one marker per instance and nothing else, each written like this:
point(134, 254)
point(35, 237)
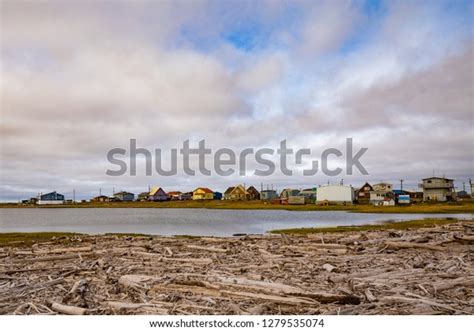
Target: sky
point(78, 78)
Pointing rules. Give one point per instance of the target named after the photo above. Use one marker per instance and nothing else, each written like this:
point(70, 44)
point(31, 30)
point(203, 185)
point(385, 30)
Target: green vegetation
point(414, 224)
point(127, 234)
point(438, 208)
point(30, 238)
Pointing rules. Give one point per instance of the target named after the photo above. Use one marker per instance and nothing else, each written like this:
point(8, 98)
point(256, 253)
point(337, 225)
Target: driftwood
point(206, 249)
point(399, 299)
point(63, 250)
point(267, 297)
point(68, 310)
point(400, 245)
point(127, 306)
point(465, 238)
point(449, 284)
point(417, 271)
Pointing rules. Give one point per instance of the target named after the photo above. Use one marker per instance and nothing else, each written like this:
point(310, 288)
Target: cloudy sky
point(81, 77)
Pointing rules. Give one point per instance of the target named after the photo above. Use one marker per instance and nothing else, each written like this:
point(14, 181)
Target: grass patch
point(30, 238)
point(404, 225)
point(187, 236)
point(419, 208)
point(127, 234)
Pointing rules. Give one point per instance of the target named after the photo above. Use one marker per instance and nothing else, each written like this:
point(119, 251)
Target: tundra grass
point(419, 208)
point(403, 225)
point(30, 238)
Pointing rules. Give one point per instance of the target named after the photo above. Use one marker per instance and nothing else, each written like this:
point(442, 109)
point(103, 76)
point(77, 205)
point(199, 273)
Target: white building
point(341, 194)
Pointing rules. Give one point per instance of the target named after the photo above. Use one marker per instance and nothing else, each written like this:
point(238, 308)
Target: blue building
point(402, 197)
point(217, 196)
point(124, 196)
point(52, 198)
point(268, 195)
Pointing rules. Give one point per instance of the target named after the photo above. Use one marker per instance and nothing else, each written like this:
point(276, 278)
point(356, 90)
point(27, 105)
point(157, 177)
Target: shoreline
point(33, 237)
point(380, 271)
point(6, 237)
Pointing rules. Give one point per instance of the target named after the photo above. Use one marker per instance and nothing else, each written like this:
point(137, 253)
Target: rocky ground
point(422, 271)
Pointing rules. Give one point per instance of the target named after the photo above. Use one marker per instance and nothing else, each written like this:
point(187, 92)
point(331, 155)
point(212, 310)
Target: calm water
point(175, 221)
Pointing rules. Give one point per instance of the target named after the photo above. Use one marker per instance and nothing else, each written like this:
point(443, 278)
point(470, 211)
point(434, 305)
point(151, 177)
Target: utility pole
point(401, 184)
point(73, 195)
point(464, 186)
point(100, 191)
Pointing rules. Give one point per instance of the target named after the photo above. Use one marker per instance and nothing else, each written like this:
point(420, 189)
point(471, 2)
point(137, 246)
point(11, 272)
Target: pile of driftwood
point(423, 271)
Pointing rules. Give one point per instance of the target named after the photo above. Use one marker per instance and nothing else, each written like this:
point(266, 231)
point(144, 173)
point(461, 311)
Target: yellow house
point(203, 193)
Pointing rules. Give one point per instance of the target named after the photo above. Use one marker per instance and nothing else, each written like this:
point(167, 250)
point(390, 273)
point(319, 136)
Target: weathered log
point(464, 238)
point(449, 284)
point(22, 253)
point(207, 249)
point(68, 310)
point(275, 287)
point(117, 305)
point(190, 260)
point(59, 257)
point(14, 271)
point(403, 245)
point(64, 250)
point(398, 299)
point(266, 297)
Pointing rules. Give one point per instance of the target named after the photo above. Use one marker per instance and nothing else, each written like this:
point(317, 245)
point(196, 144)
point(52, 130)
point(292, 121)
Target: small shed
point(186, 196)
point(296, 200)
point(100, 198)
point(124, 196)
point(268, 195)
